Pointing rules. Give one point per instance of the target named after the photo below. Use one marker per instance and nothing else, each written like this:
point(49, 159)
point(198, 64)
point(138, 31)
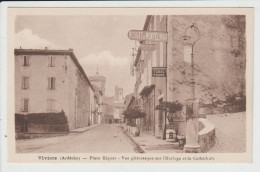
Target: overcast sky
point(98, 41)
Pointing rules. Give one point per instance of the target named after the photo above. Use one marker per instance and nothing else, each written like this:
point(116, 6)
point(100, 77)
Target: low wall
point(206, 134)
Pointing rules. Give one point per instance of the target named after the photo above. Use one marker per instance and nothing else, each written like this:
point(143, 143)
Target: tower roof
point(97, 77)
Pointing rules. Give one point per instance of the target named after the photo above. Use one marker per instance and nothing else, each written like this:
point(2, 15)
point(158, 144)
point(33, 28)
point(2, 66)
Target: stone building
point(219, 58)
point(108, 110)
point(129, 102)
point(96, 117)
point(114, 106)
point(52, 81)
point(99, 82)
point(118, 104)
point(149, 91)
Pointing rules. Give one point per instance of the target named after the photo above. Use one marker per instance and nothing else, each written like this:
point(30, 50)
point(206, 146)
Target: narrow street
point(108, 138)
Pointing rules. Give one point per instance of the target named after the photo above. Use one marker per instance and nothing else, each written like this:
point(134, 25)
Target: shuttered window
point(25, 105)
point(25, 82)
point(51, 83)
point(51, 61)
point(25, 61)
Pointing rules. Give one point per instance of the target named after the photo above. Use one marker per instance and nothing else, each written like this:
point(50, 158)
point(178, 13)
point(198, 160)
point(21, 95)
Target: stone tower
point(119, 94)
point(99, 81)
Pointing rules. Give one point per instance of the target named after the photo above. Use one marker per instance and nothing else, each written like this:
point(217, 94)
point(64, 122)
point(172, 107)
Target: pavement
point(111, 138)
point(107, 138)
point(83, 129)
point(148, 143)
point(230, 132)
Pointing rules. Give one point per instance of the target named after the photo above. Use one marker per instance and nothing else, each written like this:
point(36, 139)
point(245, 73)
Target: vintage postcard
point(130, 85)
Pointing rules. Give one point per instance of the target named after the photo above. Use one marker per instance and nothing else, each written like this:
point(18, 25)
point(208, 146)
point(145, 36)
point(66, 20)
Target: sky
point(98, 42)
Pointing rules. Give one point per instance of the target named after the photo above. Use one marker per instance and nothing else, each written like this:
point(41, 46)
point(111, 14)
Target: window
point(25, 105)
point(50, 105)
point(25, 83)
point(51, 61)
point(51, 83)
point(25, 61)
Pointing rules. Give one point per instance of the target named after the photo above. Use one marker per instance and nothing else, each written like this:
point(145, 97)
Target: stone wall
point(206, 134)
point(38, 93)
point(219, 57)
point(70, 88)
point(83, 102)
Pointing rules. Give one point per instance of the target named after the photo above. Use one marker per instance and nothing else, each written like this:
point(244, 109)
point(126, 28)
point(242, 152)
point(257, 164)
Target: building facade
point(219, 58)
point(150, 91)
point(52, 81)
point(108, 110)
point(99, 83)
point(118, 105)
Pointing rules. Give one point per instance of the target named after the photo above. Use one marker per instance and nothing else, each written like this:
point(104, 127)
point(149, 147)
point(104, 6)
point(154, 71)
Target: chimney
point(46, 48)
point(71, 49)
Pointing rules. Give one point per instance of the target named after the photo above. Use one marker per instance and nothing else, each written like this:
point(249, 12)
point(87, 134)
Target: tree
point(171, 107)
point(133, 113)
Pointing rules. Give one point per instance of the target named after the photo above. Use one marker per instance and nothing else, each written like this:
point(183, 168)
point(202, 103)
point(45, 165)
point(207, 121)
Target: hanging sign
point(148, 47)
point(141, 35)
point(159, 72)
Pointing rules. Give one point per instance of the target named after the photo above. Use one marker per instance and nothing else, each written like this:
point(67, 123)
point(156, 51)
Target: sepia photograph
point(151, 83)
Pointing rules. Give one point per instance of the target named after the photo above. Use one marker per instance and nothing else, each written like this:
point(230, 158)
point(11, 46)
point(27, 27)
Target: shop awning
point(147, 90)
point(131, 101)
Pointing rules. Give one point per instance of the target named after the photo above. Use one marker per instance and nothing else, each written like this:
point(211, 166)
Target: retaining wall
point(206, 134)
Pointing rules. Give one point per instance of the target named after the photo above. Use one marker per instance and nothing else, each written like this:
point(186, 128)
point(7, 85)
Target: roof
point(54, 52)
point(146, 24)
point(97, 78)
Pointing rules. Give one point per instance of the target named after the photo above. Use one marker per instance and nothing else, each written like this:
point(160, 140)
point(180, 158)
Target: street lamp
point(192, 126)
point(166, 110)
point(193, 41)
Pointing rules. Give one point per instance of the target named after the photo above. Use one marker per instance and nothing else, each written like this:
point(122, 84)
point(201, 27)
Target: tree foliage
point(171, 107)
point(133, 113)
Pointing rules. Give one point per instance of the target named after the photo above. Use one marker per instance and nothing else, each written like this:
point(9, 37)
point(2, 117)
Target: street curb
point(78, 132)
point(138, 147)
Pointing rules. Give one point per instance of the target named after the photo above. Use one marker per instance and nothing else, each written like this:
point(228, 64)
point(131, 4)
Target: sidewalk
point(150, 144)
point(83, 129)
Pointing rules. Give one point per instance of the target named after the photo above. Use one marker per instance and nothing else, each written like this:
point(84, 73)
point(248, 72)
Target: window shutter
point(53, 83)
point(26, 104)
point(49, 83)
point(22, 106)
point(54, 59)
point(24, 60)
point(49, 61)
point(28, 60)
point(26, 82)
point(23, 82)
